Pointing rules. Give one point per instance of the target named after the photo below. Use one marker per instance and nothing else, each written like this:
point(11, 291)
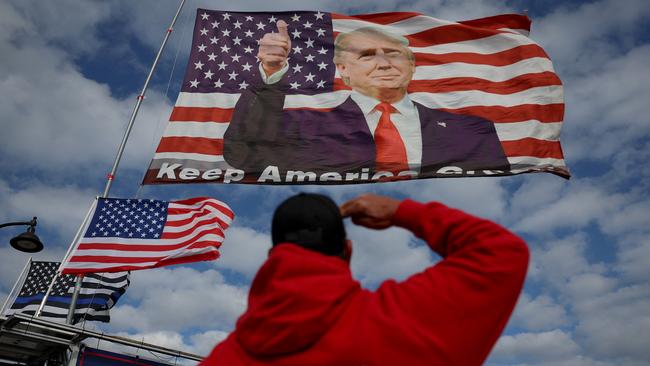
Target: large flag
point(132, 234)
point(99, 292)
point(486, 96)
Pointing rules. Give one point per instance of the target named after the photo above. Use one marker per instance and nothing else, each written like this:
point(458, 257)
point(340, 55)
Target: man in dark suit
point(378, 126)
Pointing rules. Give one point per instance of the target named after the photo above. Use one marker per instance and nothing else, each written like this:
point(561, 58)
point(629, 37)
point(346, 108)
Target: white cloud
point(177, 298)
point(378, 255)
point(615, 324)
point(539, 313)
point(244, 250)
point(553, 346)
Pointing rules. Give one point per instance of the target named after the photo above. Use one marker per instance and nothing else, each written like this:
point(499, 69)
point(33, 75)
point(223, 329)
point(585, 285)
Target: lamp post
point(28, 241)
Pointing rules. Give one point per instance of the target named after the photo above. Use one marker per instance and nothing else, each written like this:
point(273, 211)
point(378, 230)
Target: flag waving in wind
point(309, 97)
point(132, 234)
point(99, 293)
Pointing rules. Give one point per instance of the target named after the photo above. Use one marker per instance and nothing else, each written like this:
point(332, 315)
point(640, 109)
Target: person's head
point(312, 221)
point(374, 63)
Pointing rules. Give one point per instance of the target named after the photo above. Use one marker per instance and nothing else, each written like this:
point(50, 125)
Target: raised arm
point(460, 305)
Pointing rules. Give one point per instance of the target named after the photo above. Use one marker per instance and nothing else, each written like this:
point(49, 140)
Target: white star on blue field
point(70, 74)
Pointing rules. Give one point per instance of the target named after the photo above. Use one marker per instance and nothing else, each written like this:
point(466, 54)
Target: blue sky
point(69, 74)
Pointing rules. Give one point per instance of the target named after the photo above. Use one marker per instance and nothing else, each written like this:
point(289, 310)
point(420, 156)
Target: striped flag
point(99, 292)
point(132, 234)
point(486, 67)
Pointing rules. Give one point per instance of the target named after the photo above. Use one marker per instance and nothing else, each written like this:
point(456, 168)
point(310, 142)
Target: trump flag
point(325, 98)
point(133, 234)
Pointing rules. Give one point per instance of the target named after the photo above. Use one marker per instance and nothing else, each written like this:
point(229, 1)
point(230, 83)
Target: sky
point(70, 72)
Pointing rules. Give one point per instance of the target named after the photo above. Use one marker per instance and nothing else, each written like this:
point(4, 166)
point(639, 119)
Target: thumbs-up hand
point(274, 49)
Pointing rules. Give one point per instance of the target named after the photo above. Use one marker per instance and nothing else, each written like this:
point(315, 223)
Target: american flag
point(131, 234)
point(487, 67)
point(99, 292)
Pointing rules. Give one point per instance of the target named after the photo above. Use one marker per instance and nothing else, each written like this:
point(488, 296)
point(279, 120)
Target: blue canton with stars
point(128, 218)
point(225, 45)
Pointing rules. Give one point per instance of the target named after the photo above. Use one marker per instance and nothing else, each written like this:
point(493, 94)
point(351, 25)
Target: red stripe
point(181, 244)
point(379, 18)
point(205, 244)
point(113, 259)
point(213, 220)
point(514, 85)
point(182, 210)
point(533, 147)
point(499, 114)
point(139, 247)
point(502, 58)
point(202, 228)
point(197, 145)
point(189, 259)
point(512, 21)
point(520, 83)
point(524, 112)
point(207, 201)
point(196, 114)
point(199, 230)
point(451, 33)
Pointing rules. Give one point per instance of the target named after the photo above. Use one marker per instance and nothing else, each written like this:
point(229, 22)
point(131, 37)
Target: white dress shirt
point(406, 119)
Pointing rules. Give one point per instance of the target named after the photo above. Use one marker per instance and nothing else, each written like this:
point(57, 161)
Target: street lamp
point(27, 241)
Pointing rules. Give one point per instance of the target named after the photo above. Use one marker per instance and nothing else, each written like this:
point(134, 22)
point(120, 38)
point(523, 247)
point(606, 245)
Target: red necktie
point(391, 153)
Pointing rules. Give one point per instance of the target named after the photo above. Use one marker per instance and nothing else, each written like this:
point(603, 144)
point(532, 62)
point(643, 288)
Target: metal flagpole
point(11, 293)
point(120, 150)
point(129, 126)
point(65, 258)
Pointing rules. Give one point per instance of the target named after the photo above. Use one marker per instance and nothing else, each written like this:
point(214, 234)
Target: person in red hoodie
point(304, 307)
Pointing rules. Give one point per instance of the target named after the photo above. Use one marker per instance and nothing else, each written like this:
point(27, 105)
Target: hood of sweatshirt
point(295, 298)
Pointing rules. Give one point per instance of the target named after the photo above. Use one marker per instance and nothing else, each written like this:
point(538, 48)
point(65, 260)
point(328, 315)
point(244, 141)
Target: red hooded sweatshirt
point(304, 308)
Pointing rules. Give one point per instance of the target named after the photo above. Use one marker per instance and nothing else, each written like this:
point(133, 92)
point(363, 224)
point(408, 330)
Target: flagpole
point(22, 273)
point(65, 258)
point(140, 98)
point(120, 150)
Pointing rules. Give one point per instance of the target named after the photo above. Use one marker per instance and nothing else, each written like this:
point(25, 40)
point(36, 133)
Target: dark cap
point(310, 220)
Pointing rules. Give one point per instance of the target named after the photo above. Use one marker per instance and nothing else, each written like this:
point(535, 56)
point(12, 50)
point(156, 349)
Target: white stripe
point(108, 266)
point(211, 130)
point(538, 162)
point(212, 237)
point(91, 291)
point(199, 205)
point(193, 251)
point(539, 95)
point(216, 213)
point(56, 310)
point(532, 128)
point(484, 46)
point(542, 95)
point(324, 100)
point(523, 32)
point(188, 156)
point(207, 100)
point(197, 222)
point(403, 27)
point(135, 254)
point(486, 72)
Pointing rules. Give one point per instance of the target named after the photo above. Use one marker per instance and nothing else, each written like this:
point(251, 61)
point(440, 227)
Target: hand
point(371, 210)
point(274, 49)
